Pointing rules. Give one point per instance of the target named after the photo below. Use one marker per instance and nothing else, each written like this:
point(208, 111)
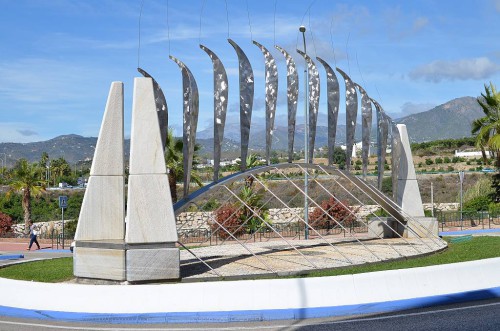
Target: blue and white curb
point(253, 300)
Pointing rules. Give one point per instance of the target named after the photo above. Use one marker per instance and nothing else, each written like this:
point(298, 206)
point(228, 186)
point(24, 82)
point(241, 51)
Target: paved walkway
point(14, 251)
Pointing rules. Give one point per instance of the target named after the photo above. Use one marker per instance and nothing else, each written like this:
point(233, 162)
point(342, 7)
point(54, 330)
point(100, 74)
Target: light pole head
point(302, 29)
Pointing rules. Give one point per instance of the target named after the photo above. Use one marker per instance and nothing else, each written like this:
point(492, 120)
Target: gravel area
point(233, 260)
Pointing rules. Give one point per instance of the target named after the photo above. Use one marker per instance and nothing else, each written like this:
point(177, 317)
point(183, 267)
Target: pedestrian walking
point(33, 234)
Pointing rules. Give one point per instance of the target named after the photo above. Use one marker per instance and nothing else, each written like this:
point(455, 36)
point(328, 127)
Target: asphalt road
point(477, 315)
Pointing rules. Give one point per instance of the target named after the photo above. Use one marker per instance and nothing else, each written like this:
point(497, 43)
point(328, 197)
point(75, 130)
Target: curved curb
point(251, 315)
point(254, 300)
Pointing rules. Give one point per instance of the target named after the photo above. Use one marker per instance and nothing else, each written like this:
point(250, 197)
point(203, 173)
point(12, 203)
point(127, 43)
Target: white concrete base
point(387, 227)
point(423, 227)
point(153, 264)
point(381, 228)
point(99, 263)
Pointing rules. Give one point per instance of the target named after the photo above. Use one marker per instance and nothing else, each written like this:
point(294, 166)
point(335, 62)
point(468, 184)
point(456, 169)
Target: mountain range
point(447, 121)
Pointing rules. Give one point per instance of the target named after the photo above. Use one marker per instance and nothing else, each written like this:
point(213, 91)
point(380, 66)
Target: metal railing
point(467, 219)
point(289, 230)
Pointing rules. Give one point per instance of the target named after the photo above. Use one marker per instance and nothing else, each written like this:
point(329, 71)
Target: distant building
point(472, 153)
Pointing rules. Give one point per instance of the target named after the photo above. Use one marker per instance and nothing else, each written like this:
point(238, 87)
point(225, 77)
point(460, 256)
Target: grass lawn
point(475, 249)
point(59, 270)
point(47, 271)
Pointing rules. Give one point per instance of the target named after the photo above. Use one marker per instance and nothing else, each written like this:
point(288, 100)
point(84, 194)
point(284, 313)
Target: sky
point(59, 57)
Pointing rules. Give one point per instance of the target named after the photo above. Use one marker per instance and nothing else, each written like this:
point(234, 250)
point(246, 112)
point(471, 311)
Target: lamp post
point(306, 140)
point(4, 162)
point(461, 175)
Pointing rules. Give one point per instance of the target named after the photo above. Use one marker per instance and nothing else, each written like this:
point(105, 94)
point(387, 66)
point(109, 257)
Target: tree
point(174, 161)
point(252, 162)
point(26, 181)
point(487, 130)
point(59, 168)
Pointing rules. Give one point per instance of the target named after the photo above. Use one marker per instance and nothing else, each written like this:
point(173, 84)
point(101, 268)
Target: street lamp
point(4, 162)
point(461, 175)
point(306, 140)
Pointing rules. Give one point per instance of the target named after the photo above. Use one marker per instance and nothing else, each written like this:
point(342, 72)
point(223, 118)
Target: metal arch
point(292, 92)
point(333, 100)
point(372, 193)
point(366, 127)
point(314, 92)
point(395, 158)
point(382, 133)
point(351, 106)
point(191, 108)
point(161, 107)
point(220, 106)
point(271, 73)
point(246, 100)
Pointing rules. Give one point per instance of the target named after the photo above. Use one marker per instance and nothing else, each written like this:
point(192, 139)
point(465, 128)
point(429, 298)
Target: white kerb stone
point(146, 150)
point(108, 155)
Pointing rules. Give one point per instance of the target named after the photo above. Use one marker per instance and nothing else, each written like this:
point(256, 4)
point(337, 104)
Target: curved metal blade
point(351, 107)
point(246, 100)
point(271, 73)
point(292, 93)
point(382, 133)
point(366, 127)
point(333, 100)
point(161, 107)
point(191, 107)
point(220, 106)
point(314, 91)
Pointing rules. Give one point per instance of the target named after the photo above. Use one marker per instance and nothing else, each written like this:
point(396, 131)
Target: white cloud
point(18, 132)
point(436, 71)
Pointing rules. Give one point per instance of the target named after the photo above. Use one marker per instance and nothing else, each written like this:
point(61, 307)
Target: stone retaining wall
point(44, 229)
point(201, 220)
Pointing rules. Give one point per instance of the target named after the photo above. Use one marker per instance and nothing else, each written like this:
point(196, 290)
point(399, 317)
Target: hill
point(451, 120)
point(73, 148)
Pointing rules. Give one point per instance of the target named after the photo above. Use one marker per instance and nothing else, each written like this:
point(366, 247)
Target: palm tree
point(174, 161)
point(252, 162)
point(487, 128)
point(487, 131)
point(26, 181)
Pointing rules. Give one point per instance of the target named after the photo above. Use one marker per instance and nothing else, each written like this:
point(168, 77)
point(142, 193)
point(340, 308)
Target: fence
point(467, 219)
point(217, 235)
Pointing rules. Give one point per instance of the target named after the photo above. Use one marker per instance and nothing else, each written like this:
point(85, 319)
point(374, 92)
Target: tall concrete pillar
point(408, 195)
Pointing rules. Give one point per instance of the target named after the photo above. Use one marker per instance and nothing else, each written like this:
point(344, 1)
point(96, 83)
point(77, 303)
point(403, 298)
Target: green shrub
point(478, 203)
point(494, 209)
point(70, 229)
point(429, 161)
point(438, 160)
point(446, 159)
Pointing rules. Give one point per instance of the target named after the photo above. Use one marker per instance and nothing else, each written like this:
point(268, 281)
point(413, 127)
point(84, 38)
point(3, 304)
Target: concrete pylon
point(408, 195)
point(102, 216)
point(151, 231)
point(140, 247)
